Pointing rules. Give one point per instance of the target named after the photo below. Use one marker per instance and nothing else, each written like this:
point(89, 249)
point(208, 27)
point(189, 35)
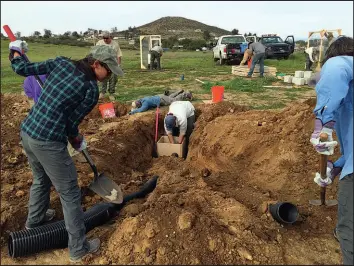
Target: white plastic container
point(307, 74)
point(299, 81)
point(299, 74)
point(288, 79)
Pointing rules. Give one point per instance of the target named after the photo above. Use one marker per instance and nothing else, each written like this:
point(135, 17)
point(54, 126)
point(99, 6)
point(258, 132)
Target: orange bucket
point(249, 62)
point(107, 110)
point(217, 93)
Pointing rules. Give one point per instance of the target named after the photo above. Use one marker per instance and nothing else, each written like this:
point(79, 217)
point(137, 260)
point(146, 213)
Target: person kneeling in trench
point(179, 121)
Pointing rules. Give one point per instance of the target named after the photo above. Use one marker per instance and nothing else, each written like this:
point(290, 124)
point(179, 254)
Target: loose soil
point(208, 209)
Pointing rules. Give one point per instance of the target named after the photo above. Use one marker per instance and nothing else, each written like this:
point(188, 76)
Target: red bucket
point(217, 93)
point(107, 110)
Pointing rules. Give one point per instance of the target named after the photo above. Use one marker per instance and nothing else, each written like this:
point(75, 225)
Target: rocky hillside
point(180, 27)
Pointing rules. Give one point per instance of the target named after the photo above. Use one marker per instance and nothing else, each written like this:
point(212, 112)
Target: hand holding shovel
point(323, 173)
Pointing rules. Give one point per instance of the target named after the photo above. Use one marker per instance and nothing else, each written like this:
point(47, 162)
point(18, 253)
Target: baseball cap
point(170, 122)
point(107, 55)
point(106, 34)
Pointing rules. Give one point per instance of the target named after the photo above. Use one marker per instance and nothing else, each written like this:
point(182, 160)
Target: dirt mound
point(205, 210)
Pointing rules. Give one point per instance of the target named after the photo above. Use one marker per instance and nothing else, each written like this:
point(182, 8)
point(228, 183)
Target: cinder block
point(307, 80)
point(307, 74)
point(299, 74)
point(299, 81)
point(288, 79)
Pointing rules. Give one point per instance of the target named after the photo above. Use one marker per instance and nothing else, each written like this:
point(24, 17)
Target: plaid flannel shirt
point(67, 97)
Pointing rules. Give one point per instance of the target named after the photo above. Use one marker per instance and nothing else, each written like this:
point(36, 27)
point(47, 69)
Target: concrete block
point(307, 74)
point(288, 79)
point(298, 81)
point(307, 80)
point(299, 74)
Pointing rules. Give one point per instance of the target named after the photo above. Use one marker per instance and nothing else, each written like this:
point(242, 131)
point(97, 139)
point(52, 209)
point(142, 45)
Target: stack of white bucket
point(300, 78)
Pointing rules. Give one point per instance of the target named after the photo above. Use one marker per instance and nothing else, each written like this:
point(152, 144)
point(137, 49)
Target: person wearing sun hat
point(112, 81)
point(179, 121)
point(69, 93)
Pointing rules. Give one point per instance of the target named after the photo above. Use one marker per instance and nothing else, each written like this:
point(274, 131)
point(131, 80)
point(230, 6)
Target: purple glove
point(327, 147)
point(78, 143)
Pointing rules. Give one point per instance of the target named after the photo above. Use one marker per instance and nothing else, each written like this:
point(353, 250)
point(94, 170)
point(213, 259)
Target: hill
point(180, 27)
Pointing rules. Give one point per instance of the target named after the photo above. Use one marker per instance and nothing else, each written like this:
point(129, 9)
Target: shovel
point(102, 185)
point(323, 172)
point(154, 149)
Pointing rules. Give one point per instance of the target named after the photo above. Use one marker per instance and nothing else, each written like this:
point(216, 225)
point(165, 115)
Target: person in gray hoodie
point(258, 50)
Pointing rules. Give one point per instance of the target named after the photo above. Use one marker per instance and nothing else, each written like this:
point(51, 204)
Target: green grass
point(138, 83)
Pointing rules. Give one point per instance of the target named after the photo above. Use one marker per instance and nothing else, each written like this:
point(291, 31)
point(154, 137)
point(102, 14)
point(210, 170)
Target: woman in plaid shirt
point(69, 94)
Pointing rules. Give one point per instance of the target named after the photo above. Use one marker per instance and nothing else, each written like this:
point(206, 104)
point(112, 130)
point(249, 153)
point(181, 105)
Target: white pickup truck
point(229, 47)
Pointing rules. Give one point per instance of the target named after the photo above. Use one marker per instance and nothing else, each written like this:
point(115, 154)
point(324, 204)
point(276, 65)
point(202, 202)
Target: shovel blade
point(104, 187)
point(327, 202)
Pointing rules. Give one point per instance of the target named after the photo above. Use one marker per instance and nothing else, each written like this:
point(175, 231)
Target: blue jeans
point(257, 58)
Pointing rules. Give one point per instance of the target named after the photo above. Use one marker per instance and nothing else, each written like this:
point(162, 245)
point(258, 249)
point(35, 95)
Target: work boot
point(94, 246)
point(49, 215)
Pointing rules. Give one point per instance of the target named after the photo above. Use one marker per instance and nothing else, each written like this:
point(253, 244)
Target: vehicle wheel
point(286, 57)
point(215, 59)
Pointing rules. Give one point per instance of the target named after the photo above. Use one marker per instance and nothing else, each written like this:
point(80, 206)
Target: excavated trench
point(208, 209)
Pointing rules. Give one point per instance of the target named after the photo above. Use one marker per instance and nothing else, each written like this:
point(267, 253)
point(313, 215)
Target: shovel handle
point(323, 169)
point(91, 163)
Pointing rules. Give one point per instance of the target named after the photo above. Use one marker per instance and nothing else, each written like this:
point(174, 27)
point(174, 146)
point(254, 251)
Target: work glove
point(325, 148)
point(18, 46)
point(78, 143)
point(331, 173)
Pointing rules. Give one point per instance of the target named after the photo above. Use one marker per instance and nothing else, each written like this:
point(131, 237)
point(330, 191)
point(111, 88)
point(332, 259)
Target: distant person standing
point(258, 50)
point(113, 79)
point(156, 53)
point(312, 56)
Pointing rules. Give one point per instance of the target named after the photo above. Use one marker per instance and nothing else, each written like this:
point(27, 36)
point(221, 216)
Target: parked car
point(229, 48)
point(276, 47)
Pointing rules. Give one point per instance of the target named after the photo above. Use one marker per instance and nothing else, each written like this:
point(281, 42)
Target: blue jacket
point(335, 103)
point(147, 103)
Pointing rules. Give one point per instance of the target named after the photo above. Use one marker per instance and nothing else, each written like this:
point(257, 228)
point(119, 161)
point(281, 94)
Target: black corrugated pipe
point(54, 235)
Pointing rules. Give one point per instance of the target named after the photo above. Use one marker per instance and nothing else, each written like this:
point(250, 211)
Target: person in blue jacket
point(334, 111)
point(166, 99)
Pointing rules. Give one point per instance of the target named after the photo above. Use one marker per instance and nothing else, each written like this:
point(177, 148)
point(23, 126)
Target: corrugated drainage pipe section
point(54, 235)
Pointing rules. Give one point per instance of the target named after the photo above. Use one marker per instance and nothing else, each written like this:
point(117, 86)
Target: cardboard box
point(165, 148)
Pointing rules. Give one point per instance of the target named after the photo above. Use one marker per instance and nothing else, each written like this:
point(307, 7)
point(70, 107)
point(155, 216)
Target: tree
point(250, 34)
point(114, 30)
point(67, 33)
point(36, 33)
point(75, 34)
point(301, 43)
point(206, 35)
point(18, 34)
point(47, 33)
point(235, 31)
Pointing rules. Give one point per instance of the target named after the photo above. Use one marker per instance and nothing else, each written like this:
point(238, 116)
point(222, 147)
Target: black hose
point(54, 235)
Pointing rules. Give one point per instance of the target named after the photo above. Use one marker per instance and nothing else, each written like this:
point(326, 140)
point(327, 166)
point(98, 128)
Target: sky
point(281, 17)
